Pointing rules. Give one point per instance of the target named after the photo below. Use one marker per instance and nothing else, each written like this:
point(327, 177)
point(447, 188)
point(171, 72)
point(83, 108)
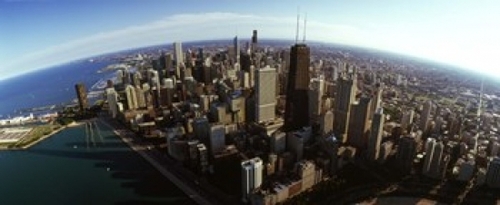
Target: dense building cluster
point(286, 119)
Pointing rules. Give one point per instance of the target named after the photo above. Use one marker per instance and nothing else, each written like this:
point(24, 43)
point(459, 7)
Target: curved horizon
point(468, 40)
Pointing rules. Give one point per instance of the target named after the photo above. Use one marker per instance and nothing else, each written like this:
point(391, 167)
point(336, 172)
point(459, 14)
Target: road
point(153, 159)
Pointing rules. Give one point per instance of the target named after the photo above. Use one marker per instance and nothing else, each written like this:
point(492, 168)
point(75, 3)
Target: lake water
point(63, 170)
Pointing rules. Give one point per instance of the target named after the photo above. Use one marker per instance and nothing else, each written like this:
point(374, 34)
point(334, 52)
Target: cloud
point(206, 26)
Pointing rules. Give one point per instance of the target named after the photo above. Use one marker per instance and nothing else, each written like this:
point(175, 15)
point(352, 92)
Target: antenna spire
point(305, 22)
point(297, 31)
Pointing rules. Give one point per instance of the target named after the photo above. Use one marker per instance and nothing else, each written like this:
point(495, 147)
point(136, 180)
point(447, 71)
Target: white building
point(131, 95)
point(112, 97)
point(265, 98)
point(251, 176)
point(179, 58)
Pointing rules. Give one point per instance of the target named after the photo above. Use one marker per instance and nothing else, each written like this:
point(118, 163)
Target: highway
point(143, 149)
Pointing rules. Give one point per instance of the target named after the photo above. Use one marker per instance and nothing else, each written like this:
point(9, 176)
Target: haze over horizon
point(43, 33)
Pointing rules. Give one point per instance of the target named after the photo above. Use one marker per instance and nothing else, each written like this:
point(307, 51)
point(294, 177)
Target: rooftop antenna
point(305, 23)
point(297, 31)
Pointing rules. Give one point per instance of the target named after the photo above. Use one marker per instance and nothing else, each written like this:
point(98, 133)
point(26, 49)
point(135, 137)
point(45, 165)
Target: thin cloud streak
point(206, 26)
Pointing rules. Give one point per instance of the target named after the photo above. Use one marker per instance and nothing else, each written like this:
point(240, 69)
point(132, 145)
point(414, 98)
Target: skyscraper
point(359, 123)
point(425, 115)
point(179, 58)
point(265, 94)
point(316, 92)
point(406, 153)
point(217, 138)
point(297, 96)
point(376, 132)
point(254, 42)
point(251, 176)
point(81, 93)
point(346, 93)
point(493, 174)
point(433, 162)
point(407, 119)
point(236, 48)
point(112, 98)
point(131, 95)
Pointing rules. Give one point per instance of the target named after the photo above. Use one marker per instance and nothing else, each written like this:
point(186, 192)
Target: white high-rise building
point(179, 57)
point(265, 98)
point(376, 132)
point(131, 95)
point(251, 176)
point(112, 97)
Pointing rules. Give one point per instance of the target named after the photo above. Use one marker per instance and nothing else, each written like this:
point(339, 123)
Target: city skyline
point(45, 33)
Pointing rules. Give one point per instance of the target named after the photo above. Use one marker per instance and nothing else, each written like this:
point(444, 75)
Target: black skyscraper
point(297, 99)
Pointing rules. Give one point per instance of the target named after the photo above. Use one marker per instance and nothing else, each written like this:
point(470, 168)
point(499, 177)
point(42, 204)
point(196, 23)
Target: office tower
point(131, 96)
point(179, 58)
point(201, 129)
point(81, 93)
point(406, 153)
point(433, 162)
point(425, 115)
point(251, 75)
point(297, 98)
point(359, 123)
point(316, 92)
point(251, 176)
point(346, 93)
point(254, 42)
point(167, 92)
point(141, 98)
point(119, 76)
point(159, 65)
point(296, 140)
point(326, 122)
point(265, 94)
point(278, 142)
point(136, 79)
point(377, 99)
point(376, 131)
point(493, 174)
point(407, 119)
point(217, 138)
point(236, 48)
point(112, 98)
point(203, 157)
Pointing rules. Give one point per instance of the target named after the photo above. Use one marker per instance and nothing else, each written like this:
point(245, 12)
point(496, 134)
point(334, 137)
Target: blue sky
point(36, 34)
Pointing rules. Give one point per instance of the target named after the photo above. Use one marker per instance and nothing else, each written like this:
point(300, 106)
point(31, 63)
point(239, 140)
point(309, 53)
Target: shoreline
point(73, 124)
point(140, 149)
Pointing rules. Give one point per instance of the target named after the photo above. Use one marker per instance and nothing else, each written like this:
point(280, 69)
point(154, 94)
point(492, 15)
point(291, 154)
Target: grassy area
point(35, 134)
